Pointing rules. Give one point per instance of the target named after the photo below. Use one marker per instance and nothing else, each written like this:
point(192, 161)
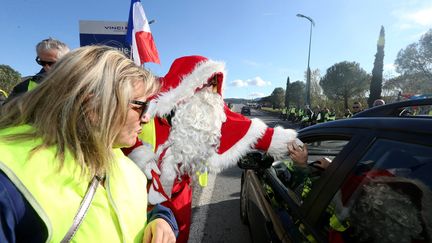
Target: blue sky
point(262, 42)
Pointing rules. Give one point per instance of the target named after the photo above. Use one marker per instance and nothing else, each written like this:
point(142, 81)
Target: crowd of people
point(306, 116)
point(65, 133)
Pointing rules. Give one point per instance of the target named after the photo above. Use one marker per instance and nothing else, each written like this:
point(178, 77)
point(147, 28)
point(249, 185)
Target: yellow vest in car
point(118, 212)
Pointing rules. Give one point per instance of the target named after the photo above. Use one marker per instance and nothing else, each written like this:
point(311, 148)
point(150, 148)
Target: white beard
point(196, 131)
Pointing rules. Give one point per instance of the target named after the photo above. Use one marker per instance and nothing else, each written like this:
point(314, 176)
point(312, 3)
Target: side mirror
point(255, 160)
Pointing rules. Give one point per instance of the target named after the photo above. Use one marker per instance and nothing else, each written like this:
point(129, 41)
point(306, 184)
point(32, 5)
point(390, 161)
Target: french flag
point(139, 37)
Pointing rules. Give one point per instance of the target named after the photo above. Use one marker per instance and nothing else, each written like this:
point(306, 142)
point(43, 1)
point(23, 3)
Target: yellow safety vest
point(148, 133)
point(32, 85)
point(118, 212)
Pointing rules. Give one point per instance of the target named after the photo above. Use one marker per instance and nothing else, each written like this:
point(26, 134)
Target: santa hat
point(184, 78)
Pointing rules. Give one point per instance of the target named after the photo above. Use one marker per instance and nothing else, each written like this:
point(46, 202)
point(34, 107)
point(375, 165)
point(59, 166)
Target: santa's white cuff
point(278, 148)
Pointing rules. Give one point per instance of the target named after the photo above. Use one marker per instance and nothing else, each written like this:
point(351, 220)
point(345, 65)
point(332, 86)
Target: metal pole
point(308, 72)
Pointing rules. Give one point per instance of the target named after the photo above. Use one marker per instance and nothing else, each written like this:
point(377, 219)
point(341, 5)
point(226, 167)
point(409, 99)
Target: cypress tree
point(377, 71)
point(287, 93)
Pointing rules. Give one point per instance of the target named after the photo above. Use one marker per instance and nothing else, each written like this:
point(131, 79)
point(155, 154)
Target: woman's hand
point(298, 154)
point(159, 231)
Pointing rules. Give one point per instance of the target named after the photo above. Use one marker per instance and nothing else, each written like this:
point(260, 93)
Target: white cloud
point(422, 17)
point(389, 67)
point(414, 18)
point(257, 81)
point(238, 83)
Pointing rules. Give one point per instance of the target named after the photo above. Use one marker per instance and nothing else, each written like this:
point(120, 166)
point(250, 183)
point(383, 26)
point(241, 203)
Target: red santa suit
point(223, 136)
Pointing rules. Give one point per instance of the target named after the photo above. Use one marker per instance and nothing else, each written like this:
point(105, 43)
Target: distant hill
point(236, 100)
point(244, 101)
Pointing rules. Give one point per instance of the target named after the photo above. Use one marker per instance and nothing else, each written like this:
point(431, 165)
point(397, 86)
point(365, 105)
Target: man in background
point(48, 52)
point(357, 107)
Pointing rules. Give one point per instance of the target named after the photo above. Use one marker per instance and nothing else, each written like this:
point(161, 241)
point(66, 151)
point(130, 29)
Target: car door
point(293, 193)
point(391, 179)
point(277, 204)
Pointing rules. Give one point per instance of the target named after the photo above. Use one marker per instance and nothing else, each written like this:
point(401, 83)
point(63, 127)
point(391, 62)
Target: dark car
point(378, 182)
point(246, 111)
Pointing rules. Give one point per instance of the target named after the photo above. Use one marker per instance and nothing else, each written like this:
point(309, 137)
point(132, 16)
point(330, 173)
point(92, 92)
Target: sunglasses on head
point(143, 106)
point(43, 63)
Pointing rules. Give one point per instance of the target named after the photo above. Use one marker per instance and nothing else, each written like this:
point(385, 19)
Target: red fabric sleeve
point(234, 129)
point(264, 142)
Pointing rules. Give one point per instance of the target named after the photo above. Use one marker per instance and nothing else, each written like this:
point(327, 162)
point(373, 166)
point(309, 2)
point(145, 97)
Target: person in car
point(374, 206)
point(387, 209)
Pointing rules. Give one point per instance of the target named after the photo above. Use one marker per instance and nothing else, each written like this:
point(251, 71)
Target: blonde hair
point(81, 105)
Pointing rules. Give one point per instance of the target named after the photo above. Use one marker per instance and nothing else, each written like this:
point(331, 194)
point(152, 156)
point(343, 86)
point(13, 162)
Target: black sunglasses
point(43, 63)
point(143, 106)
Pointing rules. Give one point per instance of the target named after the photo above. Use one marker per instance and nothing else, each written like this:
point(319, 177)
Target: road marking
point(200, 215)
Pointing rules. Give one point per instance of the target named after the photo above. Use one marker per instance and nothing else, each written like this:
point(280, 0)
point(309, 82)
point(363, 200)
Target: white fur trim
point(168, 170)
point(142, 155)
point(167, 101)
point(151, 110)
point(154, 197)
point(219, 162)
point(278, 148)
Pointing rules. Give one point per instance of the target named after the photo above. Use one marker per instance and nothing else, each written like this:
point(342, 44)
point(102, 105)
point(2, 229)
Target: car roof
point(385, 117)
point(392, 109)
point(405, 124)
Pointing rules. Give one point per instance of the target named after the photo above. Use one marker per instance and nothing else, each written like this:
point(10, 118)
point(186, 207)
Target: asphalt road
point(216, 208)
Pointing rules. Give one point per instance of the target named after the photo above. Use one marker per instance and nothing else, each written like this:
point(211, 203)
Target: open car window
point(300, 180)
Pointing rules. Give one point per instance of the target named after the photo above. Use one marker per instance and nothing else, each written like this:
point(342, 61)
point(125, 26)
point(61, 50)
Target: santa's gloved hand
point(145, 158)
point(149, 167)
point(156, 192)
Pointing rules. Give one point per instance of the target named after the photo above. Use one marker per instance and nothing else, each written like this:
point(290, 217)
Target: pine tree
point(377, 71)
point(287, 93)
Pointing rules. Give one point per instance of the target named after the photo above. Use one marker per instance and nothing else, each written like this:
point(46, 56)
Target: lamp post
point(308, 81)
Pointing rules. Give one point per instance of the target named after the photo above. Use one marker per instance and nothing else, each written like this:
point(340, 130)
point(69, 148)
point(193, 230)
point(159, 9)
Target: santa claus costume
point(203, 135)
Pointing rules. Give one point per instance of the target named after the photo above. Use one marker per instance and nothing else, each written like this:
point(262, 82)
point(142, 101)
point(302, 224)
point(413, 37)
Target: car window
point(298, 183)
point(421, 110)
point(300, 180)
point(385, 196)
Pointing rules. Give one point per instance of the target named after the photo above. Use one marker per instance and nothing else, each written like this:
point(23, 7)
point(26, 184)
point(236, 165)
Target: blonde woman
point(62, 175)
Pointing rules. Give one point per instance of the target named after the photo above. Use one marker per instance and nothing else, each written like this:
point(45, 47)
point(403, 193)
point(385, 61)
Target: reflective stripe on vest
point(337, 225)
point(117, 213)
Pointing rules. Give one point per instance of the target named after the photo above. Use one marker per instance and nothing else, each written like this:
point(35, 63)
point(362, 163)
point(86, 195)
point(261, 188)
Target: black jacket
point(22, 87)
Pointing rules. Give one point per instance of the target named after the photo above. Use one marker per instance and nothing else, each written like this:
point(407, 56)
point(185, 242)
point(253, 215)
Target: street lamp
point(308, 81)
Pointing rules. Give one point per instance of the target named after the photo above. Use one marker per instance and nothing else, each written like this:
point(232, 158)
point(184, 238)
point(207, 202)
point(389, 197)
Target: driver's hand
point(323, 163)
point(298, 154)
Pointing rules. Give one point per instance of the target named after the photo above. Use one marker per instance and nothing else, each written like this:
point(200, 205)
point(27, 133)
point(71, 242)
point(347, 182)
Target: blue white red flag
point(139, 37)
